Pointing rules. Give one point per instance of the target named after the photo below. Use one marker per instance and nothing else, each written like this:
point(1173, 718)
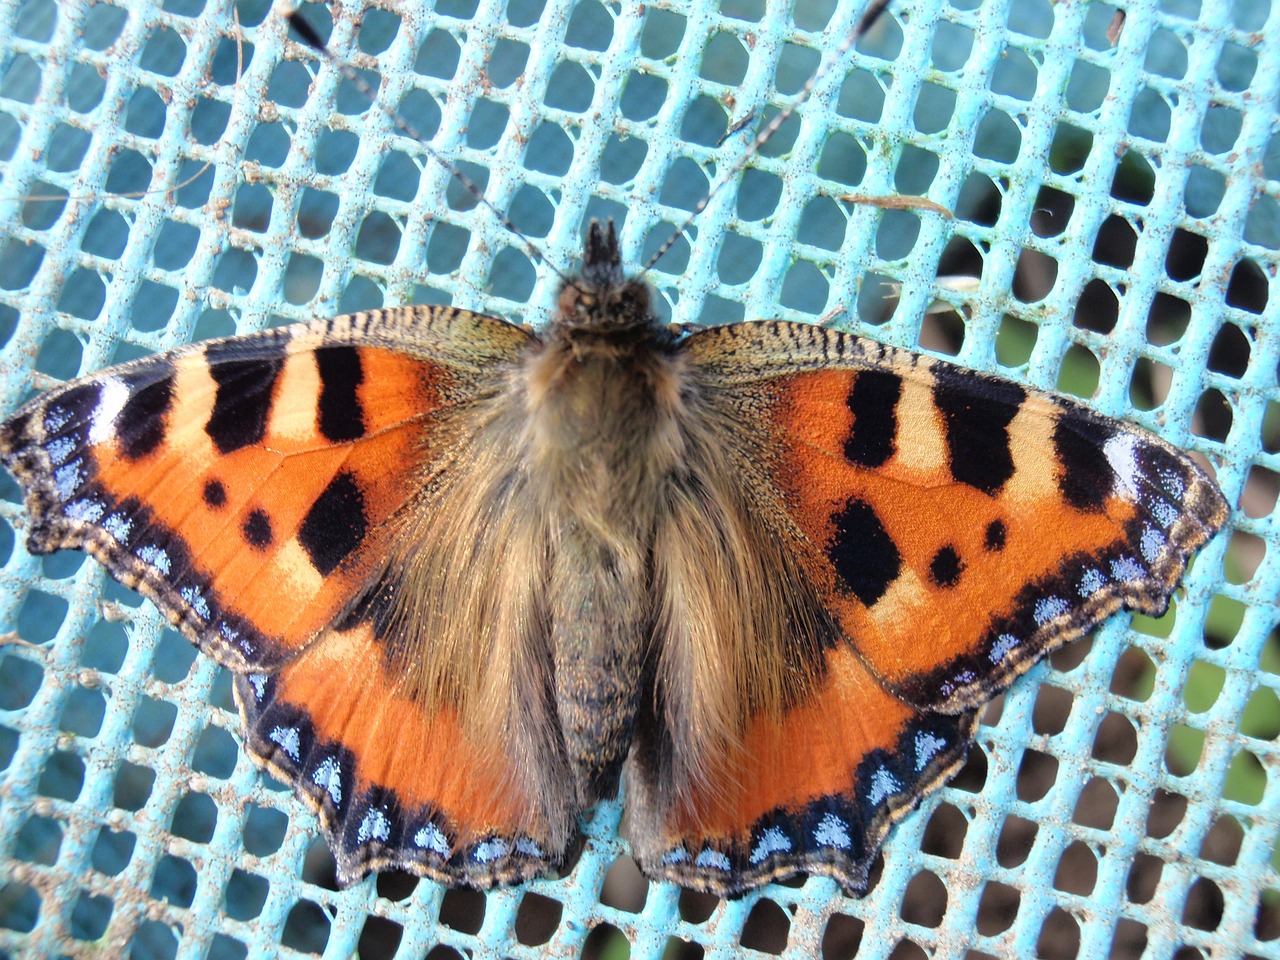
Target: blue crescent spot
point(60, 449)
point(1172, 483)
point(90, 511)
point(1152, 543)
point(528, 848)
point(288, 739)
point(55, 418)
point(328, 777)
point(1165, 513)
point(1049, 607)
point(772, 841)
point(197, 601)
point(927, 747)
point(713, 859)
point(259, 683)
point(832, 832)
point(1004, 645)
point(489, 850)
point(374, 826)
point(68, 478)
point(1126, 568)
point(432, 837)
point(154, 556)
point(118, 526)
point(883, 784)
point(1091, 582)
point(676, 855)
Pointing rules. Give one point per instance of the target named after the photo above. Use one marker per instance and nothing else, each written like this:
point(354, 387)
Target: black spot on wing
point(995, 536)
point(873, 401)
point(945, 567)
point(1085, 476)
point(257, 529)
point(143, 419)
point(335, 525)
point(215, 494)
point(862, 552)
point(340, 415)
point(977, 412)
point(246, 379)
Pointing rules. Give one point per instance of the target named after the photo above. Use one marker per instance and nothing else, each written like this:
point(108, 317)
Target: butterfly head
point(602, 300)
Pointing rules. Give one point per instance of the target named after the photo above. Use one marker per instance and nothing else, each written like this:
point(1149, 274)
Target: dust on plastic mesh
point(1113, 170)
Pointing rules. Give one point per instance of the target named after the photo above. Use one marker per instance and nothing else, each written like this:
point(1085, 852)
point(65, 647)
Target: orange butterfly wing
point(956, 527)
point(249, 487)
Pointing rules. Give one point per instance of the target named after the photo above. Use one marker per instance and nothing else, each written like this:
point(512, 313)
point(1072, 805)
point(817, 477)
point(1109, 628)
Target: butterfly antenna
point(313, 40)
point(871, 15)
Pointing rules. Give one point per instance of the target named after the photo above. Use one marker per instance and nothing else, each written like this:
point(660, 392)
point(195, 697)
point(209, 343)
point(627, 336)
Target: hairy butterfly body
point(470, 579)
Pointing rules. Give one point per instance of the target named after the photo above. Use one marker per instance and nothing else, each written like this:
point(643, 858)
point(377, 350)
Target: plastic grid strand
point(132, 824)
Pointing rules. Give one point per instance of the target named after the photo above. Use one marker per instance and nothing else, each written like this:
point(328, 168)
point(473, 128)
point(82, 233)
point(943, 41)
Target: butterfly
point(469, 578)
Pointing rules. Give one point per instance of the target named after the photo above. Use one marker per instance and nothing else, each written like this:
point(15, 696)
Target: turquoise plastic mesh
point(173, 171)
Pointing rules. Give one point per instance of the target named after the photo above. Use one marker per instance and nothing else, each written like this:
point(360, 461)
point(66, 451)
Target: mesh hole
point(604, 942)
point(1015, 75)
point(945, 832)
point(1080, 372)
point(62, 777)
point(82, 715)
point(925, 900)
point(463, 910)
point(935, 106)
point(1212, 416)
point(1116, 741)
point(997, 138)
point(1149, 384)
point(111, 851)
point(1036, 775)
point(624, 888)
point(862, 97)
point(1203, 909)
point(952, 44)
point(767, 928)
point(379, 937)
point(19, 907)
point(90, 916)
point(538, 917)
point(174, 880)
point(1151, 116)
point(1017, 836)
point(195, 817)
point(1077, 870)
point(19, 681)
point(1097, 804)
point(246, 894)
point(40, 617)
point(38, 840)
point(438, 56)
point(696, 907)
point(1035, 277)
point(1059, 937)
point(306, 928)
point(997, 909)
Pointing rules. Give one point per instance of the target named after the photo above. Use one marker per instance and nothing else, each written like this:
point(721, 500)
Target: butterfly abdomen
point(604, 427)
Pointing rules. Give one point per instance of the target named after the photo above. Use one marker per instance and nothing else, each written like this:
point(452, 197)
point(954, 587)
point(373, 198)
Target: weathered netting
point(177, 171)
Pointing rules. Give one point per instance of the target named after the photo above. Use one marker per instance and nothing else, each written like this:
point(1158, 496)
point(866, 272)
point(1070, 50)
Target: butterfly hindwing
point(953, 528)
